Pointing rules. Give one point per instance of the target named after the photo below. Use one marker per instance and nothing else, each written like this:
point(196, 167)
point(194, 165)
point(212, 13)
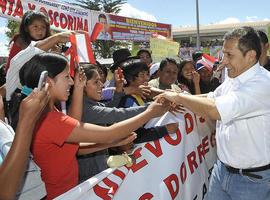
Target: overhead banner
point(124, 28)
point(61, 16)
point(162, 48)
point(174, 167)
point(69, 17)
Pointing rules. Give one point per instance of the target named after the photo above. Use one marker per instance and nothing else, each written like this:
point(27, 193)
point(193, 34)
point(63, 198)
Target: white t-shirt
point(32, 186)
point(243, 133)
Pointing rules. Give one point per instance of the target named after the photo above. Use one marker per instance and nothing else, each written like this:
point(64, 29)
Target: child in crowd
point(136, 73)
point(188, 77)
point(57, 136)
point(34, 26)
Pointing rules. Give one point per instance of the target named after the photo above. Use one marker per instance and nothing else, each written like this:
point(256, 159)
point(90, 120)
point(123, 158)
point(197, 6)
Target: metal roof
point(216, 28)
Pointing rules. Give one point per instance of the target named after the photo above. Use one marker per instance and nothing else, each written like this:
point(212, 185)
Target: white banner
point(61, 16)
point(174, 167)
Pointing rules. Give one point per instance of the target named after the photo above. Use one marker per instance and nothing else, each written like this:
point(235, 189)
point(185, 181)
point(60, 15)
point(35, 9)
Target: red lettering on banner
point(31, 6)
point(190, 125)
point(137, 166)
point(70, 22)
point(175, 141)
point(201, 152)
point(63, 21)
point(10, 8)
point(55, 15)
point(183, 173)
point(192, 161)
point(79, 24)
point(102, 192)
point(18, 10)
point(205, 143)
point(112, 185)
point(3, 4)
point(156, 151)
point(43, 9)
point(85, 25)
point(146, 196)
point(169, 183)
point(50, 14)
point(119, 173)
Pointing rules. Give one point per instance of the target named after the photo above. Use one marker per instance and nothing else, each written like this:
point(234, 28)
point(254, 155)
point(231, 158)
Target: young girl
point(57, 136)
point(34, 26)
point(188, 78)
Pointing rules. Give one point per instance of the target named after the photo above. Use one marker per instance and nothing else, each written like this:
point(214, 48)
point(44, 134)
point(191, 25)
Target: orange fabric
point(55, 157)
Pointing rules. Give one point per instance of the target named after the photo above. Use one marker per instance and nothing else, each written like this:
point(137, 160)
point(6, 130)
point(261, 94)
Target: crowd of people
point(51, 151)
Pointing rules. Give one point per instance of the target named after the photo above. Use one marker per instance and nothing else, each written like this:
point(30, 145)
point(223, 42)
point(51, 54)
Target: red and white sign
point(174, 167)
point(69, 17)
point(61, 16)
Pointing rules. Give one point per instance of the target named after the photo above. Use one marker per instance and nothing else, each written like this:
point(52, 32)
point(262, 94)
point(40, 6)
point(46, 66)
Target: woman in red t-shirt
point(34, 26)
point(57, 136)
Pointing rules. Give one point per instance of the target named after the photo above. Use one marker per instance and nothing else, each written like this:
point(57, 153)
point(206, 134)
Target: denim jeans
point(227, 186)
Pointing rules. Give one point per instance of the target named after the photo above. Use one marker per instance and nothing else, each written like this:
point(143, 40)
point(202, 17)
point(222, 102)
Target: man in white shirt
point(242, 110)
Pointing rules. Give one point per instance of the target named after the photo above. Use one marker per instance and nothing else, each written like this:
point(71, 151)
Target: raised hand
point(79, 78)
point(32, 106)
point(119, 80)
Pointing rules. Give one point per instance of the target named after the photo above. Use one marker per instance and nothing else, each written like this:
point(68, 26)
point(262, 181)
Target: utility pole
point(198, 43)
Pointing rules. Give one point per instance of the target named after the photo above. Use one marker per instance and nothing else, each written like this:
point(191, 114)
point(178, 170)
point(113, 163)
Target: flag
point(206, 61)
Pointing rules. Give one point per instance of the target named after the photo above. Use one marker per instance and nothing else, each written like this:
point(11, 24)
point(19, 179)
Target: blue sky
point(182, 12)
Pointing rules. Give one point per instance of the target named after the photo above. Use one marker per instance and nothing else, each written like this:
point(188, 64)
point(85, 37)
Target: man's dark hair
point(165, 62)
point(248, 39)
point(263, 37)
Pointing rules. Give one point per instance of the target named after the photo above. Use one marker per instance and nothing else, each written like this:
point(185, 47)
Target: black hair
point(29, 76)
point(89, 70)
point(31, 70)
point(144, 51)
point(182, 80)
point(28, 18)
point(263, 37)
point(196, 56)
point(102, 68)
point(165, 62)
point(132, 68)
point(102, 16)
point(248, 39)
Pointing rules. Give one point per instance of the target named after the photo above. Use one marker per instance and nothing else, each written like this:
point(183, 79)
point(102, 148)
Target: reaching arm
point(90, 148)
point(197, 104)
point(97, 134)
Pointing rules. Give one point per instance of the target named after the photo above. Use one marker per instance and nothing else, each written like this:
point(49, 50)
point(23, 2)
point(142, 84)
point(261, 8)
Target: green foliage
point(13, 27)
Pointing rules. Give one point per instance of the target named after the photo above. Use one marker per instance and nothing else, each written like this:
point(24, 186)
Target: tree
point(13, 27)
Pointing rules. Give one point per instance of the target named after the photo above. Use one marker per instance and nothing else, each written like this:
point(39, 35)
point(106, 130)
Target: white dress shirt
point(243, 133)
point(16, 63)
